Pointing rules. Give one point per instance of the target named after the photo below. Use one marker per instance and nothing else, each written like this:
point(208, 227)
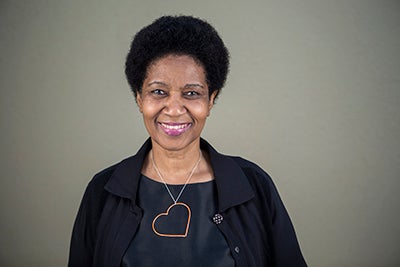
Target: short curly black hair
point(179, 35)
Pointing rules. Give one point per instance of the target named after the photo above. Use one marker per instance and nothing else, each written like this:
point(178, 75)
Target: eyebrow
point(189, 85)
point(156, 82)
point(193, 85)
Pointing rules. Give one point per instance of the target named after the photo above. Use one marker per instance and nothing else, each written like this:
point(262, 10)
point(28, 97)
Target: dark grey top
point(163, 244)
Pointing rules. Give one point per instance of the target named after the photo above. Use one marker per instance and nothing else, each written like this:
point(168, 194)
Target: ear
point(211, 102)
point(139, 101)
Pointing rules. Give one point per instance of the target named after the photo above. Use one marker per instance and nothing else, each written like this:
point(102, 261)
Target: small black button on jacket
point(250, 215)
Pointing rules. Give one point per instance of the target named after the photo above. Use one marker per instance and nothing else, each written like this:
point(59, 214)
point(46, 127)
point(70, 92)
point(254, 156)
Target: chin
point(175, 143)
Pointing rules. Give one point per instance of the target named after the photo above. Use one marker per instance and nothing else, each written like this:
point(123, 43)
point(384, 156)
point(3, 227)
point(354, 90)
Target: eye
point(191, 94)
point(158, 92)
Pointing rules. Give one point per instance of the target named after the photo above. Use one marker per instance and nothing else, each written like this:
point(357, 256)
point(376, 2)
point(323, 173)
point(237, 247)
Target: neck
point(175, 166)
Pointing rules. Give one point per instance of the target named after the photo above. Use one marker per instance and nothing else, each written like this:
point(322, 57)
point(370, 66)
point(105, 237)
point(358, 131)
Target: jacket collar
point(232, 185)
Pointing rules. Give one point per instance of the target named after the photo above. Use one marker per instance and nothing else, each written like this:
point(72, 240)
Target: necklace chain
point(165, 184)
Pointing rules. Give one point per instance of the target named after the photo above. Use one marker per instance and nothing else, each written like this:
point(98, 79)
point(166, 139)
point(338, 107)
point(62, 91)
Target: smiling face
point(175, 102)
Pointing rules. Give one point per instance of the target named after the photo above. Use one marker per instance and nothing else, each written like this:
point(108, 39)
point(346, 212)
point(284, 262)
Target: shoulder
point(246, 164)
point(114, 179)
point(96, 193)
point(252, 170)
point(237, 172)
point(99, 180)
point(260, 181)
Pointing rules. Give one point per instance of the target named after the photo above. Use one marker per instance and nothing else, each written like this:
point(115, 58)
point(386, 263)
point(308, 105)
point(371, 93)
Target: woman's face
point(175, 102)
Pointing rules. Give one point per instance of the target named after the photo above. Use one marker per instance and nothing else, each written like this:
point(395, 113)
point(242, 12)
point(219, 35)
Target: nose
point(175, 105)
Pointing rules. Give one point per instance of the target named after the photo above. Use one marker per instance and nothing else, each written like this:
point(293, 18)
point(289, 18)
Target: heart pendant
point(173, 217)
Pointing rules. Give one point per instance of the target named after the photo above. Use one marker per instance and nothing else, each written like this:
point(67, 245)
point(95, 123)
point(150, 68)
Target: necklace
point(180, 207)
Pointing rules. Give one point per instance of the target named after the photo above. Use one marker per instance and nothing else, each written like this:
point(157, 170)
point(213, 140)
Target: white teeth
point(174, 127)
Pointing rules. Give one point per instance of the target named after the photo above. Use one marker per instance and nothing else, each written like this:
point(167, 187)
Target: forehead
point(176, 66)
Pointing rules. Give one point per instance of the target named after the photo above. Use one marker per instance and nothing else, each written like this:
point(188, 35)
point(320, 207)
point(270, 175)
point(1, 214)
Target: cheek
point(149, 108)
point(201, 111)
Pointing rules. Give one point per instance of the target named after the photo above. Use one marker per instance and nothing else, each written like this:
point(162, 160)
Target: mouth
point(173, 128)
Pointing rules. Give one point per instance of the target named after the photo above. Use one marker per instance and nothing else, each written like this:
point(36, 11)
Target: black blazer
point(251, 214)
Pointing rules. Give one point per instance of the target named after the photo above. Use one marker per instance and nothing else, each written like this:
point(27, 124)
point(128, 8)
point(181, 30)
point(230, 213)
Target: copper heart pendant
point(163, 222)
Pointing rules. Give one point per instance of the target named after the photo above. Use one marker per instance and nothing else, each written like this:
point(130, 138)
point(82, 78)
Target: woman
point(178, 202)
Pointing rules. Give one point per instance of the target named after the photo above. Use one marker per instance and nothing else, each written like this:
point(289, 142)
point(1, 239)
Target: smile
point(174, 129)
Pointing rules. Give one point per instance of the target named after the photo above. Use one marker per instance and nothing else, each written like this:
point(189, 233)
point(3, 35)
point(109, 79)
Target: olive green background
point(313, 96)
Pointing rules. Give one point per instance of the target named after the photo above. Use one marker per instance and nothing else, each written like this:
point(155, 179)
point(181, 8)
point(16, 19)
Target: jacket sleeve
point(83, 237)
point(285, 246)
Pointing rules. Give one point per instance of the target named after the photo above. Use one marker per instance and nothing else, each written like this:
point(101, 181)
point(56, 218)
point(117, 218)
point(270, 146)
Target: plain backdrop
point(313, 96)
